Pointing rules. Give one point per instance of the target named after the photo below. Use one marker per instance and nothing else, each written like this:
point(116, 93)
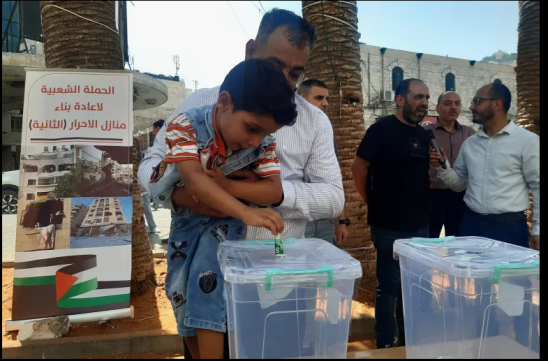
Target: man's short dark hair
point(159, 123)
point(306, 85)
point(299, 32)
point(403, 88)
point(501, 92)
point(259, 87)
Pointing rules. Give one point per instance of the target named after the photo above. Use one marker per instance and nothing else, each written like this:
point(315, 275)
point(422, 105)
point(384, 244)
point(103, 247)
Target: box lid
point(470, 257)
point(305, 260)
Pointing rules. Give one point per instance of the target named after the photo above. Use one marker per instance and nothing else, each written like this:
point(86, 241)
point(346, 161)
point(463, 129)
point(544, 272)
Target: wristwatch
point(345, 221)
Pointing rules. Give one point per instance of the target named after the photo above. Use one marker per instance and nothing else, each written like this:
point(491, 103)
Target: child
point(206, 144)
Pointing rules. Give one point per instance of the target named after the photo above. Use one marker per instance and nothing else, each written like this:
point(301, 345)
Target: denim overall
point(194, 283)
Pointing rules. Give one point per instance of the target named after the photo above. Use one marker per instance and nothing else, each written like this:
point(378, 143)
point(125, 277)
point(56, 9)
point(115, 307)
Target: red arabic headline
point(64, 107)
point(76, 90)
point(106, 126)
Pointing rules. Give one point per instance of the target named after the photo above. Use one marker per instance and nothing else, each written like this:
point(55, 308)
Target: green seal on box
point(278, 246)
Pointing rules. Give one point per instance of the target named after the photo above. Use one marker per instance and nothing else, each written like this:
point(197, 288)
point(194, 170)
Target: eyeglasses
point(478, 100)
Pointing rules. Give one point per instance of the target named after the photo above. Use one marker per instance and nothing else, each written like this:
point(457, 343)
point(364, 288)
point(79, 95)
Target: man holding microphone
point(497, 167)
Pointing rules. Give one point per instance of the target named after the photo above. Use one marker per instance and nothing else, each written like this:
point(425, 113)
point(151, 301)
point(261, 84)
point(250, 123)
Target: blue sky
point(125, 202)
point(210, 41)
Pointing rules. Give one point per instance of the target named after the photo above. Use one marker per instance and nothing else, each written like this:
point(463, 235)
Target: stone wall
point(433, 69)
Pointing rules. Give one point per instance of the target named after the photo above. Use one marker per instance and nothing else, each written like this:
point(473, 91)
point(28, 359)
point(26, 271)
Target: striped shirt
point(182, 146)
point(311, 177)
point(181, 141)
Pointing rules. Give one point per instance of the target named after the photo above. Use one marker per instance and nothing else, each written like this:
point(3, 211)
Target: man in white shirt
point(497, 167)
point(316, 93)
point(311, 177)
point(152, 227)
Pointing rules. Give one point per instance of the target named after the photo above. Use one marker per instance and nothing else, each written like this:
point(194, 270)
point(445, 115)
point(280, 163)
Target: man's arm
point(264, 192)
point(158, 151)
point(359, 171)
point(531, 173)
point(181, 197)
point(367, 153)
point(455, 178)
point(323, 196)
point(207, 190)
point(341, 230)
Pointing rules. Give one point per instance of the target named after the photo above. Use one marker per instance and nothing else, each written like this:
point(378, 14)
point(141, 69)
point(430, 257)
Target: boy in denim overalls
point(205, 144)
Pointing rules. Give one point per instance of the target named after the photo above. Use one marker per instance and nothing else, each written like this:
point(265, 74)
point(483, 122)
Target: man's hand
point(264, 217)
point(435, 157)
point(244, 175)
point(218, 176)
point(535, 242)
point(182, 198)
point(342, 234)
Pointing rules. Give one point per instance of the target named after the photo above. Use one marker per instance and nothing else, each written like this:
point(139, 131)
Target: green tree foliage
point(67, 185)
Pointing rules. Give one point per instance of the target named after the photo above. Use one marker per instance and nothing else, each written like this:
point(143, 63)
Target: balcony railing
point(50, 168)
point(47, 181)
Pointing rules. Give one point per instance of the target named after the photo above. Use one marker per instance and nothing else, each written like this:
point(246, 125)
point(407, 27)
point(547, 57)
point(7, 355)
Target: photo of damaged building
point(105, 172)
point(43, 167)
point(103, 218)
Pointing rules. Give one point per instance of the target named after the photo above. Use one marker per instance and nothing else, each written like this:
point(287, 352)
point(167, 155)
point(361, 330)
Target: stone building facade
point(381, 73)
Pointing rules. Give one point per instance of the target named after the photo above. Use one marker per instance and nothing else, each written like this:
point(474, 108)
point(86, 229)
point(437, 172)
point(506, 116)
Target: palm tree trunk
point(528, 71)
point(336, 61)
point(143, 276)
point(73, 42)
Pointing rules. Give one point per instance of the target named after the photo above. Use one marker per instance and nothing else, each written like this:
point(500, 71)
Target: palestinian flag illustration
point(71, 281)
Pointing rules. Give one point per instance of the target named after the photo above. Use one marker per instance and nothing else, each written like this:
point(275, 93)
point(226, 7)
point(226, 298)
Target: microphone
point(436, 147)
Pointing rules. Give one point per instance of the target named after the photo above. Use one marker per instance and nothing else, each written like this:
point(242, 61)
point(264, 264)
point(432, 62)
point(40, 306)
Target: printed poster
point(73, 240)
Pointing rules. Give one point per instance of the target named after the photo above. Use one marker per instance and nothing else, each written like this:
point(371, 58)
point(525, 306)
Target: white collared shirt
point(311, 177)
point(498, 172)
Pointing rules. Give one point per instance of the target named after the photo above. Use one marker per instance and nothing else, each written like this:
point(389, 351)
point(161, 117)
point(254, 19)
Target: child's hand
point(218, 176)
point(264, 217)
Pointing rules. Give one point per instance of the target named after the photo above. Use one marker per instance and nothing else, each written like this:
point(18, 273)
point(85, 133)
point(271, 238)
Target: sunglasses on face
point(478, 100)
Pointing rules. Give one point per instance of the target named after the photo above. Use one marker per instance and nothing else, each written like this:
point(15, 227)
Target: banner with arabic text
point(73, 238)
point(78, 107)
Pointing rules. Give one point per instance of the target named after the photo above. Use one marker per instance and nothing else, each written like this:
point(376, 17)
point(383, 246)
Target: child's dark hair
point(257, 86)
point(159, 123)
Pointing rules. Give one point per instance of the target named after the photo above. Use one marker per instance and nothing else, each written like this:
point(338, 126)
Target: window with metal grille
point(450, 82)
point(397, 77)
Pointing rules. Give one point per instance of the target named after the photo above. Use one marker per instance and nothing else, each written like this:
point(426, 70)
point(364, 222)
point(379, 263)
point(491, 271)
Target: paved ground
point(161, 216)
